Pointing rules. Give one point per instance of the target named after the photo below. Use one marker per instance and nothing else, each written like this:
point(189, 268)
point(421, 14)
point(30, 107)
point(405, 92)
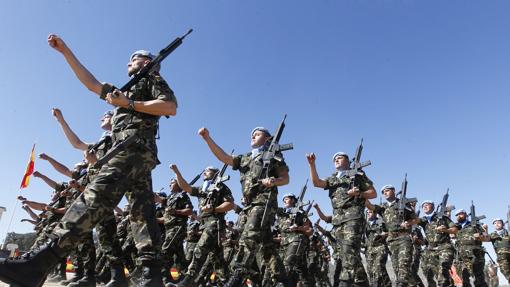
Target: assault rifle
point(297, 210)
point(272, 152)
point(305, 214)
point(441, 209)
point(474, 219)
point(403, 201)
point(356, 166)
point(217, 180)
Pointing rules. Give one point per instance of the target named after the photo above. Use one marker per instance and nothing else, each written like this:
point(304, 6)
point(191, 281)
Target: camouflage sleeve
point(227, 194)
point(365, 183)
point(411, 215)
point(237, 162)
point(160, 89)
point(330, 182)
point(194, 191)
point(494, 236)
point(450, 223)
point(379, 209)
point(280, 166)
point(188, 203)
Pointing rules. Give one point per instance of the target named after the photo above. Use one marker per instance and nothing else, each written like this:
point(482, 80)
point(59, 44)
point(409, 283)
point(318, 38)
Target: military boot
point(151, 275)
point(89, 280)
point(236, 280)
point(118, 278)
point(31, 269)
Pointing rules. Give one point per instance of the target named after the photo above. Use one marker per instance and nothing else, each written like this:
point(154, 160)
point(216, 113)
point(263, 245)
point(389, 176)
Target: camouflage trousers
point(295, 262)
point(349, 236)
point(401, 252)
point(472, 263)
point(87, 251)
point(172, 251)
point(107, 237)
point(415, 279)
point(208, 242)
point(190, 247)
point(228, 253)
point(43, 235)
point(436, 264)
point(128, 173)
point(376, 257)
point(503, 259)
point(256, 248)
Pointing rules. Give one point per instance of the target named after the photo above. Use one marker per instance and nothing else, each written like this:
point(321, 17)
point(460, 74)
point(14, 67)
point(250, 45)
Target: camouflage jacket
point(465, 235)
point(500, 241)
point(433, 237)
point(390, 214)
point(250, 169)
point(176, 201)
point(231, 237)
point(126, 122)
point(374, 232)
point(214, 198)
point(345, 207)
point(285, 221)
point(193, 233)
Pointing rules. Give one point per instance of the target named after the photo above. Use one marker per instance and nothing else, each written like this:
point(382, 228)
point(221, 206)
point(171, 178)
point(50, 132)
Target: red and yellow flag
point(29, 171)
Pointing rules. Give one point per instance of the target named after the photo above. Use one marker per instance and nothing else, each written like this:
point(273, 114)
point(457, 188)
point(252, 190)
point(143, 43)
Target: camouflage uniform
point(348, 221)
point(175, 226)
point(315, 262)
point(399, 240)
point(295, 246)
point(256, 235)
point(471, 254)
point(376, 253)
point(213, 225)
point(418, 242)
point(192, 236)
point(439, 253)
point(127, 173)
point(501, 242)
point(230, 243)
point(491, 275)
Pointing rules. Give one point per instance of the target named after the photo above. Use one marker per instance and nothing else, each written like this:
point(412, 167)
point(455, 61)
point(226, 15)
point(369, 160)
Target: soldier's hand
point(310, 157)
point(74, 184)
point(441, 229)
point(316, 205)
point(173, 167)
point(21, 197)
point(268, 182)
point(64, 193)
point(43, 156)
point(57, 114)
point(117, 98)
point(25, 220)
point(353, 192)
point(57, 43)
point(203, 132)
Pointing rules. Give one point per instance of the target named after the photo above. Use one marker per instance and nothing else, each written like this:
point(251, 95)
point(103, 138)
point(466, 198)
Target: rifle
point(305, 214)
point(272, 152)
point(297, 209)
point(441, 209)
point(356, 165)
point(474, 219)
point(403, 201)
point(217, 180)
point(174, 199)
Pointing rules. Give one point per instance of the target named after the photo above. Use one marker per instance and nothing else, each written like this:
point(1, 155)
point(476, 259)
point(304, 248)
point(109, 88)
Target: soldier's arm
point(282, 179)
point(180, 180)
point(369, 205)
point(224, 207)
point(34, 222)
point(317, 182)
point(60, 210)
point(30, 212)
point(56, 165)
point(370, 193)
point(183, 212)
point(324, 217)
point(85, 77)
point(160, 220)
point(218, 152)
point(35, 205)
point(73, 139)
point(47, 180)
point(306, 229)
point(157, 107)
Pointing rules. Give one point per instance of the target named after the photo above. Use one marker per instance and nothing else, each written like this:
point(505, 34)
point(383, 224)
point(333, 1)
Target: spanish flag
point(29, 171)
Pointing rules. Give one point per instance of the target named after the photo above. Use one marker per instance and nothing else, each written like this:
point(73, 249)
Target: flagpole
point(10, 221)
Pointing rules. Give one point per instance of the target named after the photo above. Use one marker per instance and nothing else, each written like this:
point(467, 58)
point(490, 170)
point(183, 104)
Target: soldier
point(348, 199)
point(501, 241)
point(471, 254)
point(231, 240)
point(215, 200)
point(399, 233)
point(439, 253)
point(259, 194)
point(136, 116)
point(193, 234)
point(295, 228)
point(175, 219)
point(376, 252)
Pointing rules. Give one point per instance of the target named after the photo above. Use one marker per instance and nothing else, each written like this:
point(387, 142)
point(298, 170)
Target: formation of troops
point(270, 244)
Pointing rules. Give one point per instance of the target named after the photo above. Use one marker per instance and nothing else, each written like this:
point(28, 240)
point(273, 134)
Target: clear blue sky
point(425, 83)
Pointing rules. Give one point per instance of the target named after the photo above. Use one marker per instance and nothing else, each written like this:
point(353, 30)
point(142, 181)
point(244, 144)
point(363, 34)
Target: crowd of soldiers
point(268, 245)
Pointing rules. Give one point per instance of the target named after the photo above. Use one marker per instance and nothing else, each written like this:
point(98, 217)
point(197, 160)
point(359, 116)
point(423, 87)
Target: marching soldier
point(501, 241)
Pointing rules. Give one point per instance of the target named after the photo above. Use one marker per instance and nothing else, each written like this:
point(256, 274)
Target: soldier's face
point(136, 64)
point(258, 138)
point(461, 217)
point(341, 162)
point(389, 194)
point(371, 215)
point(174, 187)
point(106, 123)
point(498, 224)
point(209, 174)
point(288, 202)
point(427, 208)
